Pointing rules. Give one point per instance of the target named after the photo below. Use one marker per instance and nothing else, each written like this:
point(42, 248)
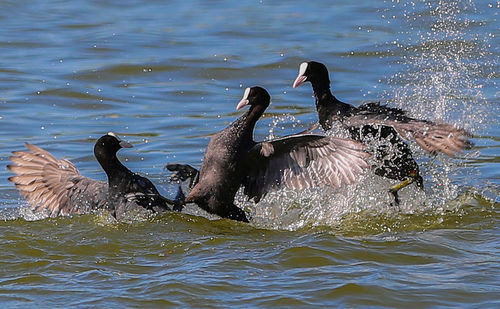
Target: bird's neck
point(245, 125)
point(322, 94)
point(114, 169)
point(329, 108)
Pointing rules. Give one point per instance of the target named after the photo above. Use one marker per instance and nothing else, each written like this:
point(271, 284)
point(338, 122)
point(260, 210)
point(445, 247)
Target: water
point(167, 75)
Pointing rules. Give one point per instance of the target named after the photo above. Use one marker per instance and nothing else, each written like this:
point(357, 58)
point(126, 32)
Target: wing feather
point(431, 136)
point(51, 184)
point(304, 161)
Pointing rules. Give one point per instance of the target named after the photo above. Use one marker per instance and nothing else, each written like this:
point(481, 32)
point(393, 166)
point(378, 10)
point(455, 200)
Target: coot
point(387, 125)
point(58, 186)
point(233, 159)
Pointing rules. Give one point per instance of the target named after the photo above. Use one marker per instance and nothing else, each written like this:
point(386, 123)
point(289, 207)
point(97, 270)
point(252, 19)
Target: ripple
point(122, 70)
point(72, 72)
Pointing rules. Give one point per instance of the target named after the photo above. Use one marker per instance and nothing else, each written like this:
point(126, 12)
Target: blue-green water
point(167, 75)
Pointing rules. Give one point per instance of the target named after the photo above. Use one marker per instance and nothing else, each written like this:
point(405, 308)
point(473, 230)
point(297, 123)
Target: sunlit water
point(166, 76)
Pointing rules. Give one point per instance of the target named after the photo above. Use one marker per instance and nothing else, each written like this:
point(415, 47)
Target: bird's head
point(313, 72)
point(254, 96)
point(109, 144)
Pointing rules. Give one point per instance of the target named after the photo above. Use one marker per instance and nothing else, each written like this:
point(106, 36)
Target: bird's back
point(220, 173)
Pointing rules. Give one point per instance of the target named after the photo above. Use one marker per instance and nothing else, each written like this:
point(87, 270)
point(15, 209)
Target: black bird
point(374, 121)
point(233, 159)
point(58, 186)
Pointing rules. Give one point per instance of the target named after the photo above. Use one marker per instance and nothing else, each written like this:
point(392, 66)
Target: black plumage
point(57, 185)
point(233, 159)
point(375, 121)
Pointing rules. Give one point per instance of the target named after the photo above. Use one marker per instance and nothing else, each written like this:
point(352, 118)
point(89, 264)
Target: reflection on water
point(168, 75)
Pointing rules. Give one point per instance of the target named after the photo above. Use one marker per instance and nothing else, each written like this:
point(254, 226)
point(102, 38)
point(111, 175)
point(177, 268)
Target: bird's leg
point(179, 200)
point(413, 177)
point(396, 196)
point(182, 172)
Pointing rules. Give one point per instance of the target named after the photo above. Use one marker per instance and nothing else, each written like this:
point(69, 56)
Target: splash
point(443, 63)
point(277, 124)
point(446, 63)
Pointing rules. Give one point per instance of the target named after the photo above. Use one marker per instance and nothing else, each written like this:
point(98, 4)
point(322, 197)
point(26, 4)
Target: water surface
point(166, 76)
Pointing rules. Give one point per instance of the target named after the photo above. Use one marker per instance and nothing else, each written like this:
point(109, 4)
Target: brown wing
point(431, 136)
point(55, 185)
point(303, 161)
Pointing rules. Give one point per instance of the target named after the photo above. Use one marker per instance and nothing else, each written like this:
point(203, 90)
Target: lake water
point(165, 75)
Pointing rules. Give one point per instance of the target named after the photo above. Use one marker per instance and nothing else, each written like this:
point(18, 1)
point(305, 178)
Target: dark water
point(167, 75)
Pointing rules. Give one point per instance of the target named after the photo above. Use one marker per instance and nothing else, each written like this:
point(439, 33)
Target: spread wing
point(55, 185)
point(303, 161)
point(431, 136)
